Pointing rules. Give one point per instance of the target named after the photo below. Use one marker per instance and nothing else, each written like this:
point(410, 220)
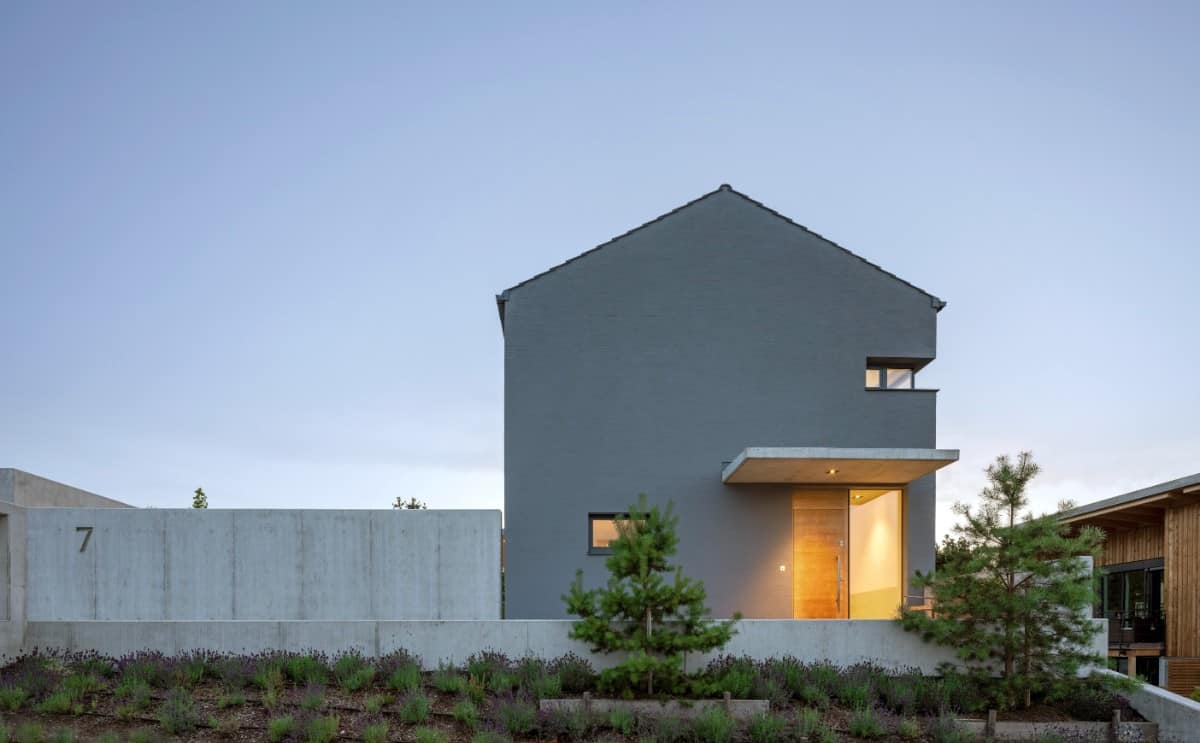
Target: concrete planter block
point(738, 709)
point(1128, 732)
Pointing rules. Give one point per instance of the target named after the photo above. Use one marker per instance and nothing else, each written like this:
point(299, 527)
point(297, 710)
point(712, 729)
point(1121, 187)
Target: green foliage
point(226, 728)
point(80, 685)
point(142, 736)
point(352, 672)
point(518, 718)
point(405, 678)
point(568, 725)
point(414, 708)
point(947, 730)
point(29, 732)
point(135, 689)
point(280, 727)
point(825, 735)
point(177, 713)
point(12, 698)
point(466, 713)
point(104, 738)
point(908, 729)
point(664, 729)
point(1196, 694)
point(766, 728)
point(490, 736)
point(59, 703)
point(374, 704)
point(312, 697)
point(640, 613)
point(231, 699)
point(854, 695)
point(713, 725)
point(412, 504)
point(622, 721)
point(302, 669)
point(321, 729)
point(62, 735)
point(1093, 698)
point(813, 696)
point(503, 682)
point(430, 735)
point(808, 722)
point(449, 681)
point(199, 499)
point(376, 732)
point(865, 723)
point(547, 686)
point(1012, 597)
point(575, 673)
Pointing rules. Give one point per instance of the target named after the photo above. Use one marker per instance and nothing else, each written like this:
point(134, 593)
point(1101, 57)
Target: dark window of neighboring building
point(890, 378)
point(602, 530)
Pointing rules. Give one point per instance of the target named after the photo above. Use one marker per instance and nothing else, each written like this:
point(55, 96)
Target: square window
point(602, 531)
point(900, 379)
point(874, 378)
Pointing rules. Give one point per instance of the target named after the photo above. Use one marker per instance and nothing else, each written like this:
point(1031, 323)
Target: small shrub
point(567, 725)
point(125, 712)
point(947, 730)
point(59, 703)
point(303, 669)
point(865, 723)
point(178, 713)
point(375, 704)
point(575, 673)
point(226, 728)
point(766, 728)
point(485, 665)
point(622, 721)
point(142, 736)
point(466, 713)
point(62, 735)
point(502, 682)
point(430, 735)
point(547, 686)
point(490, 736)
point(665, 729)
point(825, 734)
point(321, 729)
point(312, 697)
point(475, 692)
point(855, 695)
point(234, 672)
point(1195, 695)
point(405, 678)
point(449, 681)
point(518, 718)
point(190, 669)
point(12, 698)
point(811, 695)
point(908, 729)
point(231, 699)
point(713, 726)
point(415, 708)
point(268, 674)
point(808, 722)
point(104, 738)
point(739, 682)
point(149, 666)
point(1090, 701)
point(80, 685)
point(280, 727)
point(29, 732)
point(136, 690)
point(376, 732)
point(352, 672)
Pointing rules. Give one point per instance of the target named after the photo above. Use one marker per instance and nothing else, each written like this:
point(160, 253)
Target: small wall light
point(833, 472)
point(782, 568)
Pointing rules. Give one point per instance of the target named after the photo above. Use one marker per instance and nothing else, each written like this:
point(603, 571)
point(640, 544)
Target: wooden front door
point(819, 571)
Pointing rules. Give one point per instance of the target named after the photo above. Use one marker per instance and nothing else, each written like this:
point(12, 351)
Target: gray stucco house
point(755, 373)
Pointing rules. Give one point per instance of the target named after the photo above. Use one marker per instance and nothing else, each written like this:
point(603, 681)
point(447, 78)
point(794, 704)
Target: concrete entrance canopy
point(828, 466)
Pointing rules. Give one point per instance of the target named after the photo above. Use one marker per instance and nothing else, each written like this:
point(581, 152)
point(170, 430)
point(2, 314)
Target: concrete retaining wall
point(842, 641)
point(1178, 717)
point(31, 491)
point(189, 564)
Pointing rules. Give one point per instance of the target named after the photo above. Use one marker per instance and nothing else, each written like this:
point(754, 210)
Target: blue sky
point(256, 248)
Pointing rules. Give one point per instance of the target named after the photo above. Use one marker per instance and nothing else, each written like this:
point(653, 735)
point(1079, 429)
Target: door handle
point(839, 584)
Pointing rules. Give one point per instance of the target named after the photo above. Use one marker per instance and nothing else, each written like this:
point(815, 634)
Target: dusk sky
point(255, 247)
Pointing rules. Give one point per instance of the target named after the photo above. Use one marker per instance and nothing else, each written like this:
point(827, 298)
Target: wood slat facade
point(1131, 545)
point(1181, 580)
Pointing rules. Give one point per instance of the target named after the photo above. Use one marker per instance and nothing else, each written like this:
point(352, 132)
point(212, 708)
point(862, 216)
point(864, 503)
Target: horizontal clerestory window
point(603, 530)
point(891, 377)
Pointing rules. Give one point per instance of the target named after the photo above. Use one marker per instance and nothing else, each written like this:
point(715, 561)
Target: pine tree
point(412, 504)
point(1011, 595)
point(655, 621)
point(199, 499)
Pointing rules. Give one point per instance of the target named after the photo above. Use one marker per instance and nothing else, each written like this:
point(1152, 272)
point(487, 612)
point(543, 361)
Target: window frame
point(593, 517)
point(883, 370)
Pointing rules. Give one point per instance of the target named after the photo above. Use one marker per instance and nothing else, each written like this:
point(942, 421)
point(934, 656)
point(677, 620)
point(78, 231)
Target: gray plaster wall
point(642, 366)
point(214, 564)
point(31, 491)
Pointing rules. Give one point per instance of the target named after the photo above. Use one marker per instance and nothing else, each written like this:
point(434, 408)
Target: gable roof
point(503, 296)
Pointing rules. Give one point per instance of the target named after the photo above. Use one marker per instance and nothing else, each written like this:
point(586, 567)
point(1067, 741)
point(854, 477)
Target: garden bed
point(143, 697)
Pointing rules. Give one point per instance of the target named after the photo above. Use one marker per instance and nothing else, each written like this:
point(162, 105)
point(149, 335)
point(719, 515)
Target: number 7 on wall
point(86, 537)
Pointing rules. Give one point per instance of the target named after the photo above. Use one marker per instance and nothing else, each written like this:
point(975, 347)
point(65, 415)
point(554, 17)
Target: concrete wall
point(1178, 717)
point(261, 565)
point(30, 491)
point(642, 366)
point(841, 641)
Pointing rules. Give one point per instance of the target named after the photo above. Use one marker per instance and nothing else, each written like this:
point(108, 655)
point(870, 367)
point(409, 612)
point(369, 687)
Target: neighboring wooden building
point(1150, 580)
